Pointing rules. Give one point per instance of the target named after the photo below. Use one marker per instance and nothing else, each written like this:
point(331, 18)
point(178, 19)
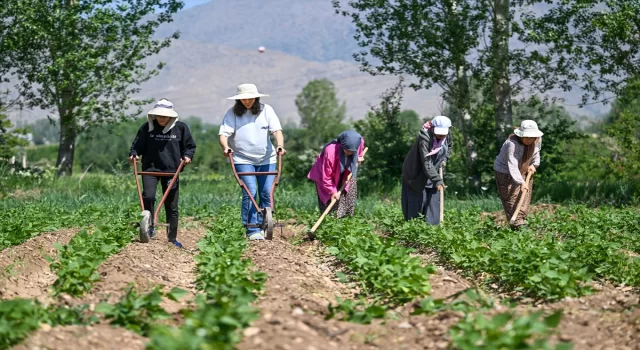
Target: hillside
point(199, 77)
point(304, 40)
point(305, 28)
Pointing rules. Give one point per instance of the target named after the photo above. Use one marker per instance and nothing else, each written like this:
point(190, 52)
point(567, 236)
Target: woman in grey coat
point(420, 179)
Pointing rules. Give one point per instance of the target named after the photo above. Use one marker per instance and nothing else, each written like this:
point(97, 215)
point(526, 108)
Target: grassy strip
point(78, 261)
point(228, 284)
point(20, 317)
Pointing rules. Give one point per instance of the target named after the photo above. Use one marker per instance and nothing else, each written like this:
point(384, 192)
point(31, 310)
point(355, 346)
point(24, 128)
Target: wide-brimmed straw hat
point(246, 91)
point(163, 108)
point(528, 128)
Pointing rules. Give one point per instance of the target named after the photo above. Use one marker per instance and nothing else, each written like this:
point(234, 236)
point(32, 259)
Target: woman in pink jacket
point(338, 159)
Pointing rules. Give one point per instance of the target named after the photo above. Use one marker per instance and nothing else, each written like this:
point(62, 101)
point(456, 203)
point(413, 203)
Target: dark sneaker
point(177, 244)
point(152, 232)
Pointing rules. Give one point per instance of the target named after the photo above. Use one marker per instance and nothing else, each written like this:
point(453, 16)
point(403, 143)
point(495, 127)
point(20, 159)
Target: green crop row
point(537, 264)
point(20, 317)
point(506, 330)
point(386, 273)
point(21, 223)
point(229, 285)
point(78, 261)
point(138, 313)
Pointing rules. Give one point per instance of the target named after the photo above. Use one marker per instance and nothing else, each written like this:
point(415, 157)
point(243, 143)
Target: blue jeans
point(260, 187)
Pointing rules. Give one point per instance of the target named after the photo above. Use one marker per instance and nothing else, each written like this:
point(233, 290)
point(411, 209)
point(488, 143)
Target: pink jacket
point(326, 170)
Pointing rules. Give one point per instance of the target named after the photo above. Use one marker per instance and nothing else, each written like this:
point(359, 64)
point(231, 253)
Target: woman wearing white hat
point(420, 179)
point(519, 155)
point(163, 141)
point(245, 134)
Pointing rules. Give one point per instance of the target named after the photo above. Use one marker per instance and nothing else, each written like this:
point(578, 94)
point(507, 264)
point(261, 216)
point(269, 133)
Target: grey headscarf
point(350, 141)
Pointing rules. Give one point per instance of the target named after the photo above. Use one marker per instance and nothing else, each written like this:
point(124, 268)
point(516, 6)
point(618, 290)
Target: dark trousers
point(425, 203)
point(149, 186)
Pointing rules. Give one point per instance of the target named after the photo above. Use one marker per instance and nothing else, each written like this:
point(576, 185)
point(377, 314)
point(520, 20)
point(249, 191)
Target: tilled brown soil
point(144, 266)
point(608, 319)
point(24, 271)
point(98, 337)
point(301, 285)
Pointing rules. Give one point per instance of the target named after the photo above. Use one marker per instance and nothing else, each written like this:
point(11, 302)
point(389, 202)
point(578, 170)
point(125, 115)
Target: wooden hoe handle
point(515, 213)
point(326, 211)
point(441, 200)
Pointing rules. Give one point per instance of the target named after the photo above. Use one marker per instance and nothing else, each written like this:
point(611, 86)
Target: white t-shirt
point(249, 135)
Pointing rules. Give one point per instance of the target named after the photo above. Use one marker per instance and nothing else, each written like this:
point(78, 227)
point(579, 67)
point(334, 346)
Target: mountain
point(304, 40)
point(199, 77)
point(309, 29)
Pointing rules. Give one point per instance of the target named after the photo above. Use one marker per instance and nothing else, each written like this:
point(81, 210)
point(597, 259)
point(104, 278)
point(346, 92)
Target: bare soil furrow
point(24, 270)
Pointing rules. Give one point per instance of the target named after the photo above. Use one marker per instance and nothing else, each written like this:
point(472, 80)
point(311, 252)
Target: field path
point(301, 283)
point(98, 337)
point(608, 319)
point(24, 271)
point(144, 265)
point(149, 264)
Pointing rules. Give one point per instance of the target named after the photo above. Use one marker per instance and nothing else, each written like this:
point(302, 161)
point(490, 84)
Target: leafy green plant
point(78, 261)
point(506, 331)
point(357, 311)
point(468, 300)
point(385, 270)
point(228, 284)
point(516, 261)
point(20, 317)
point(136, 312)
point(28, 220)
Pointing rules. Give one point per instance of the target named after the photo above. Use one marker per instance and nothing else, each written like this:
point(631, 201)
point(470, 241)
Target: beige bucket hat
point(246, 91)
point(163, 108)
point(528, 128)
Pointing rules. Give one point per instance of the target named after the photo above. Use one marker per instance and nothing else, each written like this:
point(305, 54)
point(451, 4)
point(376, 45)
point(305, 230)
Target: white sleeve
point(512, 162)
point(227, 128)
point(272, 119)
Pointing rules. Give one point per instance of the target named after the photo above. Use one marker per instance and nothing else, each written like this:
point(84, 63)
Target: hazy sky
point(191, 3)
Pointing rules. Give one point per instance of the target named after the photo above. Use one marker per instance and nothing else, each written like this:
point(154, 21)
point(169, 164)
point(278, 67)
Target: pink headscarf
point(437, 144)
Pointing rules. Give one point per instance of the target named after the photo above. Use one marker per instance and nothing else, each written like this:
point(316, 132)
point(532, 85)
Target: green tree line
point(569, 154)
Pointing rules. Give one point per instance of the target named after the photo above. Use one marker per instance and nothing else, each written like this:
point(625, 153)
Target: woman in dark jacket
point(163, 142)
point(420, 179)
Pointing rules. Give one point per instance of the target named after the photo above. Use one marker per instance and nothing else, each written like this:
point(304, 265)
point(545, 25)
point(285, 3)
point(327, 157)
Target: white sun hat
point(163, 108)
point(441, 125)
point(528, 128)
point(246, 91)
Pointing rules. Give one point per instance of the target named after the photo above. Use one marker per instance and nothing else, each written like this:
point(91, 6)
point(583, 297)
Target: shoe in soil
point(177, 244)
point(258, 236)
point(152, 233)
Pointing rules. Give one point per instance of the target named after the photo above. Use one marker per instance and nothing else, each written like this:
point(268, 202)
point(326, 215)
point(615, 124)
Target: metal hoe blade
point(145, 226)
point(268, 219)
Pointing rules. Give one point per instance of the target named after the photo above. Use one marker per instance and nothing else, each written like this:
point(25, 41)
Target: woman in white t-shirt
point(245, 134)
